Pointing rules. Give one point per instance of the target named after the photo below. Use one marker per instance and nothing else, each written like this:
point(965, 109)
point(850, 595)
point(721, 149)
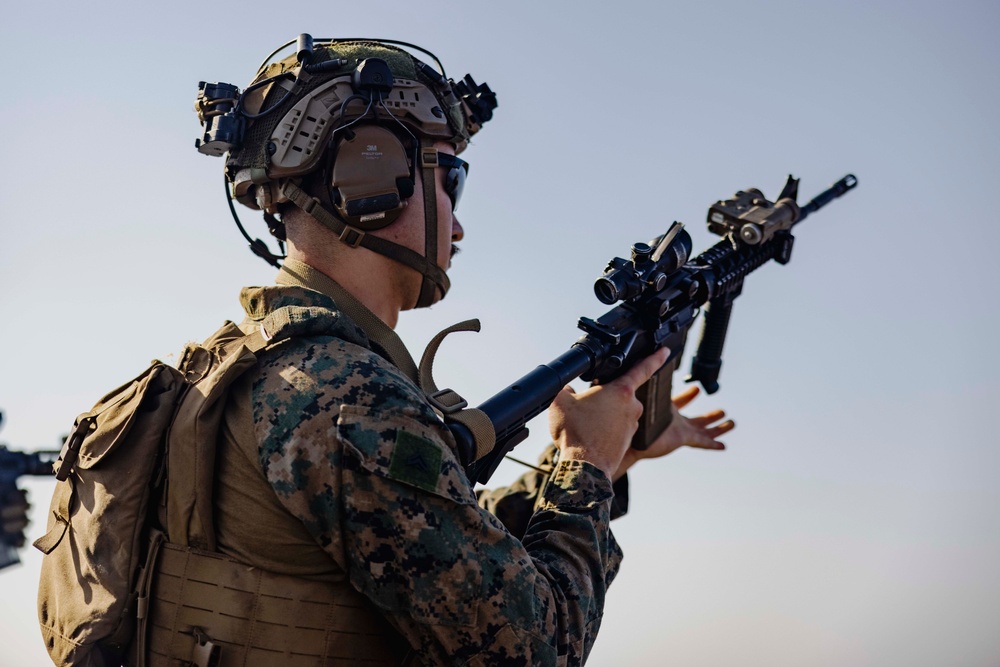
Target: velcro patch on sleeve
point(416, 461)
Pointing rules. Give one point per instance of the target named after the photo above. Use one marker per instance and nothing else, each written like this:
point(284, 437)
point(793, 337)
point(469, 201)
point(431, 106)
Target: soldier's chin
point(438, 296)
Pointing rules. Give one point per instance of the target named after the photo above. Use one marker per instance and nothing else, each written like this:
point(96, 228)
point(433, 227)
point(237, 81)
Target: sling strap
point(452, 406)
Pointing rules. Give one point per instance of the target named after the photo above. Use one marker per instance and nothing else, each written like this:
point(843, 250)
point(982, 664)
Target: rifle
point(661, 293)
point(13, 501)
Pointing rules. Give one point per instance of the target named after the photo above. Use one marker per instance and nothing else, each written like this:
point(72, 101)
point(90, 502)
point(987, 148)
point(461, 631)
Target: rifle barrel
point(839, 188)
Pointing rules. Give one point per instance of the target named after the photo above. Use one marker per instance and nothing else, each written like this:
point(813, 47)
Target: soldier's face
point(450, 230)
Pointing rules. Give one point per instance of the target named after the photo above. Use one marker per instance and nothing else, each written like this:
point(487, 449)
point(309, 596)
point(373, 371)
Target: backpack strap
point(212, 369)
point(191, 444)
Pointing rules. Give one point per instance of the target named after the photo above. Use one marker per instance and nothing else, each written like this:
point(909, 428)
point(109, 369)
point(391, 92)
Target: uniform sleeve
point(514, 505)
point(354, 452)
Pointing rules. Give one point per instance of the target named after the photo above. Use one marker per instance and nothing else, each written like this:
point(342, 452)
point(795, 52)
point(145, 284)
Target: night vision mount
point(221, 122)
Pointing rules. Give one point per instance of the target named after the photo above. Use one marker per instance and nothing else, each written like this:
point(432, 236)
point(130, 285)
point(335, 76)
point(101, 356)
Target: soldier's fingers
point(642, 371)
point(707, 418)
point(724, 427)
point(685, 397)
point(708, 444)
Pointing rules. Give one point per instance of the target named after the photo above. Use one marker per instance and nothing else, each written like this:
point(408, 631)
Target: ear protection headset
point(370, 177)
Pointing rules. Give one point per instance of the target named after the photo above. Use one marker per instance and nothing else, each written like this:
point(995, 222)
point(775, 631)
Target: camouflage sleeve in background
point(514, 505)
point(352, 450)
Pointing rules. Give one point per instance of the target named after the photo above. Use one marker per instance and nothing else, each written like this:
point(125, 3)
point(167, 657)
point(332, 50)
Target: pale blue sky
point(854, 519)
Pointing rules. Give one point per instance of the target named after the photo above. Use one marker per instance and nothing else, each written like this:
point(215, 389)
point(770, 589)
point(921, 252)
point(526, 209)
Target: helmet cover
point(292, 110)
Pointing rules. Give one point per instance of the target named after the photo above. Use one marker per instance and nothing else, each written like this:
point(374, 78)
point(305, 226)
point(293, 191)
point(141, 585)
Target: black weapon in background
point(661, 293)
point(14, 501)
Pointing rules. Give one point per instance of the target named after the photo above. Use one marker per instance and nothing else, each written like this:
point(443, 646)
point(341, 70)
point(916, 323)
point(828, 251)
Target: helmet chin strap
point(434, 277)
point(428, 171)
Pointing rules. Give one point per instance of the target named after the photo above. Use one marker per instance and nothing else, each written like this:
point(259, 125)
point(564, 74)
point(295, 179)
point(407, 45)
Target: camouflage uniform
point(361, 465)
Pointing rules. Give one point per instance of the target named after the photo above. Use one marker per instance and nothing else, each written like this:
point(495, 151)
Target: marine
point(345, 529)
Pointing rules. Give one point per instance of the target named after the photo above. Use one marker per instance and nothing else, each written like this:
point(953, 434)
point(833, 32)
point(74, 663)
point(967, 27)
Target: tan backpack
point(106, 511)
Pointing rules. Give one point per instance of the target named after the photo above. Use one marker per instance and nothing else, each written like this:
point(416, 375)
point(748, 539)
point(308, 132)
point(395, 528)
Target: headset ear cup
point(366, 176)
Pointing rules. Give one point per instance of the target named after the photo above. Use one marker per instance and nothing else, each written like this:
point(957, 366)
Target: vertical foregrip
point(707, 361)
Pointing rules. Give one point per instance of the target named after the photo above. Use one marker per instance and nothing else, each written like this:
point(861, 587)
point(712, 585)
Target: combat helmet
point(358, 116)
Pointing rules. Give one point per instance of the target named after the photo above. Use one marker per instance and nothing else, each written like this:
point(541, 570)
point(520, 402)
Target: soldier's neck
point(372, 279)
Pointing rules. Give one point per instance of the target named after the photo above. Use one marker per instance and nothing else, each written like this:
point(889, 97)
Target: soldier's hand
point(597, 425)
point(702, 432)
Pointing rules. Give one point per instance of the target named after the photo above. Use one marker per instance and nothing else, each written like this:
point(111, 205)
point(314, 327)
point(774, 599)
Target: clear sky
point(855, 518)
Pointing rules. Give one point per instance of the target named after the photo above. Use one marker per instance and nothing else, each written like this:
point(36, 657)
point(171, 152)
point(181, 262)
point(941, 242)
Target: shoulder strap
point(212, 369)
point(191, 442)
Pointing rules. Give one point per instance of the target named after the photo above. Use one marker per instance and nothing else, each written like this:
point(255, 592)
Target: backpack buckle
point(204, 653)
point(71, 448)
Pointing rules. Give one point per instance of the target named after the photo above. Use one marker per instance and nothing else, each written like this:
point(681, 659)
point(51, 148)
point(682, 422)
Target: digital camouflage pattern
point(514, 505)
point(353, 450)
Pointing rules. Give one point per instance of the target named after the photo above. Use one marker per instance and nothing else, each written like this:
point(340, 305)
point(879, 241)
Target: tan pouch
point(96, 538)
